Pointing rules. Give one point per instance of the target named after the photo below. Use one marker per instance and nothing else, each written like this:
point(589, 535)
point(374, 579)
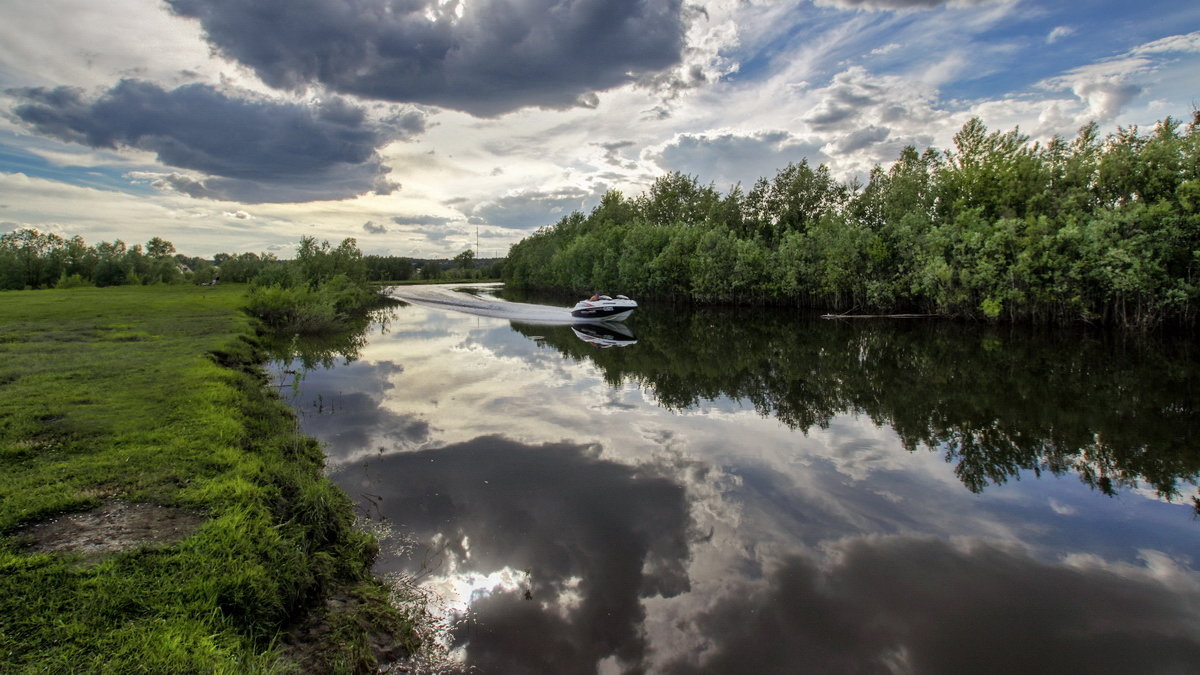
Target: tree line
point(31, 259)
point(1093, 229)
point(322, 289)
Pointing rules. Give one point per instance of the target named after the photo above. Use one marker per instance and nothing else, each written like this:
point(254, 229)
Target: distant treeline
point(323, 289)
point(1094, 229)
point(463, 266)
point(30, 259)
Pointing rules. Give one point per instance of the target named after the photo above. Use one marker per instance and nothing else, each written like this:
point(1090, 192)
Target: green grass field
point(148, 400)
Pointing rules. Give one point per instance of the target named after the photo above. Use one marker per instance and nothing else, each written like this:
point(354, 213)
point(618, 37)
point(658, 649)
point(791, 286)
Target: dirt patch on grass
point(112, 527)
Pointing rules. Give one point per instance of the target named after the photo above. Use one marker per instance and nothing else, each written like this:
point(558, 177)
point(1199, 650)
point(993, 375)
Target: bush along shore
point(159, 510)
point(1092, 229)
point(319, 291)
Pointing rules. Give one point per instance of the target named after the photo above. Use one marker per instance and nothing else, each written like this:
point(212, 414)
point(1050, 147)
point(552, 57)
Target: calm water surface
point(759, 492)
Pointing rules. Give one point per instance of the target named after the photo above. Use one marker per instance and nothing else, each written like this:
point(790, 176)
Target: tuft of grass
point(152, 394)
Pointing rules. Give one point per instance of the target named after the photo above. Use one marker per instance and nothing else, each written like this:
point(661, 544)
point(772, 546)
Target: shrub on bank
point(299, 309)
point(318, 291)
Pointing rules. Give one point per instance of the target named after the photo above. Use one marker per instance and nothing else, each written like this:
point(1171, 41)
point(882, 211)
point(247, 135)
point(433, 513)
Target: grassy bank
point(159, 511)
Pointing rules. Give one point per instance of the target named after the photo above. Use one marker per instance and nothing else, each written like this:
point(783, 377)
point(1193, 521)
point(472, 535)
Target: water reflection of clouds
point(717, 540)
point(566, 555)
point(929, 605)
point(592, 536)
point(488, 379)
point(857, 447)
point(344, 407)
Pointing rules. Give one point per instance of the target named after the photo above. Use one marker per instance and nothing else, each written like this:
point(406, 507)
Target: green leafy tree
point(798, 197)
point(465, 261)
point(159, 248)
point(676, 199)
point(112, 266)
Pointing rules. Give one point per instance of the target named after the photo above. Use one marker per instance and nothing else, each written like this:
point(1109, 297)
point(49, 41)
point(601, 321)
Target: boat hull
point(604, 308)
point(602, 312)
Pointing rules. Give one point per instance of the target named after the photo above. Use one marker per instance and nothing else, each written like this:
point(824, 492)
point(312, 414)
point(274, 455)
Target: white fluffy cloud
point(1172, 44)
point(1059, 33)
point(1107, 88)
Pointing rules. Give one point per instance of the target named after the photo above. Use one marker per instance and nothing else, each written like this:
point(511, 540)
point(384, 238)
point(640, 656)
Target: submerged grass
point(151, 395)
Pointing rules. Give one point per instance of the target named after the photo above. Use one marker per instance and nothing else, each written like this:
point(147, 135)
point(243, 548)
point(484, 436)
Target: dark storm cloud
point(830, 116)
point(181, 183)
point(845, 100)
point(860, 139)
point(533, 209)
point(612, 153)
point(499, 56)
point(424, 220)
point(434, 228)
point(616, 146)
point(249, 150)
point(606, 533)
point(330, 185)
point(730, 159)
point(901, 604)
point(433, 233)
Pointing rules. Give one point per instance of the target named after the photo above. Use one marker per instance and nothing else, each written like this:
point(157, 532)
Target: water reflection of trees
point(1115, 409)
point(322, 350)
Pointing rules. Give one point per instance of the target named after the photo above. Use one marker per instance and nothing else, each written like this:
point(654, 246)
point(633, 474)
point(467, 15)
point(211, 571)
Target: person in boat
point(595, 296)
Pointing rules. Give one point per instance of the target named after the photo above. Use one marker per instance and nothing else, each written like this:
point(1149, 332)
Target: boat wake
point(476, 299)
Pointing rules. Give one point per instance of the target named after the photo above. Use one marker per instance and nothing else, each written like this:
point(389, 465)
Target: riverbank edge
point(307, 601)
point(352, 624)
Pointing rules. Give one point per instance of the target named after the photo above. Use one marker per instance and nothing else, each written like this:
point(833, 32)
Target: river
point(763, 491)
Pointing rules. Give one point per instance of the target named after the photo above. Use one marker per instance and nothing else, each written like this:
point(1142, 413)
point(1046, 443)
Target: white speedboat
point(604, 308)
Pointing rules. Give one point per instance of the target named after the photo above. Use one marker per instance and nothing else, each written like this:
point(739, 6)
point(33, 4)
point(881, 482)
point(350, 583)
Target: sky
point(423, 128)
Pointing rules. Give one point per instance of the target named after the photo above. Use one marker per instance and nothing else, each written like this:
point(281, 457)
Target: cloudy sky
point(418, 126)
